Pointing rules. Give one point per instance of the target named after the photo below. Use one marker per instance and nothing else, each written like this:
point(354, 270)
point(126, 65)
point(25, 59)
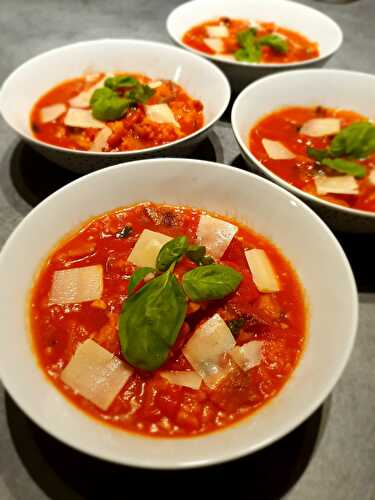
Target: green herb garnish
point(235, 325)
point(318, 154)
point(357, 141)
point(171, 252)
point(125, 232)
point(345, 166)
point(277, 43)
point(138, 276)
point(250, 50)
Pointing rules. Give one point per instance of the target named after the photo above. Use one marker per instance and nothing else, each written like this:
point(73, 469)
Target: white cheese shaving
point(92, 77)
point(263, 274)
point(82, 100)
point(248, 355)
point(186, 379)
point(82, 118)
point(155, 85)
point(80, 284)
point(50, 113)
point(205, 350)
point(220, 31)
point(276, 150)
point(215, 234)
point(147, 247)
point(101, 139)
point(343, 184)
point(96, 374)
point(320, 127)
point(215, 44)
point(371, 177)
point(161, 113)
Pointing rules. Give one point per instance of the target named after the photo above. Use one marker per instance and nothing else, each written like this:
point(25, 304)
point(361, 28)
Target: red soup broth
point(148, 404)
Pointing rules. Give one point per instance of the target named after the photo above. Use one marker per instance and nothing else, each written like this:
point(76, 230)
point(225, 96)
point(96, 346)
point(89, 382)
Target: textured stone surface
point(36, 467)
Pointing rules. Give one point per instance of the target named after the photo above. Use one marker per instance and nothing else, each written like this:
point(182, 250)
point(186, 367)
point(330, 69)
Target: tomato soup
point(236, 336)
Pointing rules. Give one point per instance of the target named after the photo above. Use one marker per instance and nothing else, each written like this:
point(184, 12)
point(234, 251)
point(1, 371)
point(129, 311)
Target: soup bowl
point(304, 88)
point(309, 22)
point(328, 282)
point(200, 78)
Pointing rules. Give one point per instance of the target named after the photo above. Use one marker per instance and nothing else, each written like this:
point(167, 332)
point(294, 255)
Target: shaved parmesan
point(342, 184)
point(146, 250)
point(155, 85)
point(206, 349)
point(264, 276)
point(319, 127)
point(92, 77)
point(276, 150)
point(186, 379)
point(82, 100)
point(96, 374)
point(82, 118)
point(371, 177)
point(220, 31)
point(248, 355)
point(50, 113)
point(215, 44)
point(72, 286)
point(101, 139)
point(215, 234)
point(161, 113)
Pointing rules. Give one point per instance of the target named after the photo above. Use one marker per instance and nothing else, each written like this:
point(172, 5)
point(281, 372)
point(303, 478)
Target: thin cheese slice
point(50, 113)
point(161, 113)
point(72, 286)
point(146, 250)
point(248, 355)
point(101, 139)
point(215, 44)
point(96, 374)
point(264, 276)
point(186, 379)
point(215, 234)
point(82, 100)
point(220, 31)
point(371, 177)
point(320, 127)
point(276, 150)
point(205, 350)
point(342, 184)
point(155, 85)
point(82, 118)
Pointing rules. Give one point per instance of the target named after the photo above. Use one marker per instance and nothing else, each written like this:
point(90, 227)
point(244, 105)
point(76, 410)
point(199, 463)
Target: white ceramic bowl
point(326, 87)
point(309, 22)
point(314, 252)
point(201, 79)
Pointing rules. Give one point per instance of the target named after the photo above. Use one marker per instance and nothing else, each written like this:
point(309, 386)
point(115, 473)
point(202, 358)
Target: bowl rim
point(299, 416)
point(120, 154)
point(271, 175)
point(224, 61)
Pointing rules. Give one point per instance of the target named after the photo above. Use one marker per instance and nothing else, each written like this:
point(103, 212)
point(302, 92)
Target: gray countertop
point(332, 455)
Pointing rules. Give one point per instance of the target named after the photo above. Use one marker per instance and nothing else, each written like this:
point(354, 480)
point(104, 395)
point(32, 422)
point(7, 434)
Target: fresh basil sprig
point(318, 154)
point(278, 44)
point(345, 166)
point(356, 141)
point(211, 282)
point(138, 275)
point(171, 252)
point(150, 321)
point(120, 81)
point(250, 50)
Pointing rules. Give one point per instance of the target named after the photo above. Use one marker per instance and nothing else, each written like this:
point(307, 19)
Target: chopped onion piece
point(264, 276)
point(186, 379)
point(220, 31)
point(96, 374)
point(205, 350)
point(161, 113)
point(341, 184)
point(215, 44)
point(248, 355)
point(155, 84)
point(146, 250)
point(319, 127)
point(101, 139)
point(50, 113)
point(82, 118)
point(80, 284)
point(276, 150)
point(215, 234)
point(82, 100)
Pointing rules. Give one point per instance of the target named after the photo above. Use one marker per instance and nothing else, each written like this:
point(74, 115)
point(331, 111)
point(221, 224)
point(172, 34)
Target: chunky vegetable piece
point(248, 42)
point(332, 153)
point(144, 357)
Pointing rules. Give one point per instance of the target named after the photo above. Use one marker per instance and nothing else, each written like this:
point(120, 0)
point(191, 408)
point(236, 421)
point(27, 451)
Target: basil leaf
point(140, 93)
point(345, 166)
point(206, 260)
point(171, 252)
point(118, 82)
point(214, 281)
point(107, 105)
point(247, 37)
point(150, 321)
point(318, 154)
point(250, 50)
point(138, 276)
point(278, 44)
point(196, 253)
point(356, 140)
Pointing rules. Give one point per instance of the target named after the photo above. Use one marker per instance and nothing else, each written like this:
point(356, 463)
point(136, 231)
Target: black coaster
point(66, 474)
